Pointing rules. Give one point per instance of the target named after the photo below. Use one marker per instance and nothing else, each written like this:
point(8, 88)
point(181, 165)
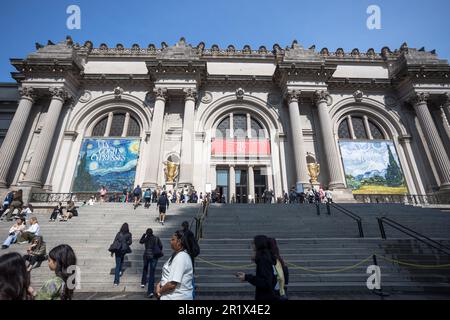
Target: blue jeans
point(9, 240)
point(119, 262)
point(149, 268)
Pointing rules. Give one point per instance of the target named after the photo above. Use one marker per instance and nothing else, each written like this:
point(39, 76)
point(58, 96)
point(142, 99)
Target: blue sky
point(325, 23)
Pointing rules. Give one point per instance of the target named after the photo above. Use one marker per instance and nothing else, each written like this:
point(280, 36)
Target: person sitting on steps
point(57, 211)
point(14, 231)
point(36, 253)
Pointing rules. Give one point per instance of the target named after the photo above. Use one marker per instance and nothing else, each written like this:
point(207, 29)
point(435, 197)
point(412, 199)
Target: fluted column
point(232, 184)
point(33, 176)
point(297, 136)
point(446, 110)
point(151, 171)
point(15, 132)
point(186, 164)
point(434, 142)
point(251, 183)
point(328, 141)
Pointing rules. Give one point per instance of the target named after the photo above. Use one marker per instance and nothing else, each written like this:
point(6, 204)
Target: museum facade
point(239, 121)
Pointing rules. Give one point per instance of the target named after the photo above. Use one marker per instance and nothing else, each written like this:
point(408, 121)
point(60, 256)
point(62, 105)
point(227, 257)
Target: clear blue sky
point(325, 23)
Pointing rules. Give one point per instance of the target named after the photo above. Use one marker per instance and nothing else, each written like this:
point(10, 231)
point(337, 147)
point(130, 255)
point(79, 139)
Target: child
point(59, 259)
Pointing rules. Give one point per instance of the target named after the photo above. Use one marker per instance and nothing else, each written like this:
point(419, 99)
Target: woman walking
point(120, 247)
point(153, 251)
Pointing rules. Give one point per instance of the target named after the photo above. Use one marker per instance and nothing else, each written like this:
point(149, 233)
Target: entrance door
point(260, 186)
point(222, 186)
point(241, 186)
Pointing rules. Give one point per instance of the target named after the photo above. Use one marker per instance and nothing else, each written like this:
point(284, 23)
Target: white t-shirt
point(179, 271)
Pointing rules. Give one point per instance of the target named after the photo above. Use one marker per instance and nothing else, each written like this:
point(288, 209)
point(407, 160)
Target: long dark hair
point(64, 256)
point(262, 249)
point(124, 229)
point(14, 278)
point(275, 250)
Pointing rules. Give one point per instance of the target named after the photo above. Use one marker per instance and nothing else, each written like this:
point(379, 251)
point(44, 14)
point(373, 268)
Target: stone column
point(297, 138)
point(213, 177)
point(108, 124)
point(186, 163)
point(446, 110)
point(251, 183)
point(152, 165)
point(328, 141)
point(232, 178)
point(33, 177)
point(15, 132)
point(433, 140)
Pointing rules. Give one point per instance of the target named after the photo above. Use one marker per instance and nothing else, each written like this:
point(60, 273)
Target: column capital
point(292, 95)
point(321, 96)
point(27, 93)
point(59, 93)
point(160, 93)
point(420, 98)
point(190, 94)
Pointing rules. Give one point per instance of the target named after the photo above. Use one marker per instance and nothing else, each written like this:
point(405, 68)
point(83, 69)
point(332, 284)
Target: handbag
point(116, 245)
point(156, 251)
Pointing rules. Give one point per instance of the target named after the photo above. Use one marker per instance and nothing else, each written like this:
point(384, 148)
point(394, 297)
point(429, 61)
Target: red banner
point(242, 147)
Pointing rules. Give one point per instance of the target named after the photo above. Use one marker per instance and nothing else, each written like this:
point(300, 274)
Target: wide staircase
point(325, 254)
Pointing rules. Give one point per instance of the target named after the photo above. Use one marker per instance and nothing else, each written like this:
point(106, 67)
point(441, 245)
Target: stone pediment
point(58, 51)
point(296, 53)
point(180, 51)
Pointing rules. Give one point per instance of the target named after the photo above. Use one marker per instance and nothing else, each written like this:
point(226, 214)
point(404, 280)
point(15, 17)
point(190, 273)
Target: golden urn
point(313, 171)
point(171, 170)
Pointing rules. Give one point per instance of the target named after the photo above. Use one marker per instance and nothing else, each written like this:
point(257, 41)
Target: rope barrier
point(297, 267)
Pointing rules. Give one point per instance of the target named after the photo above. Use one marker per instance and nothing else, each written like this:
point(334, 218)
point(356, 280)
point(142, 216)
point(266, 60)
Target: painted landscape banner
point(372, 167)
point(106, 162)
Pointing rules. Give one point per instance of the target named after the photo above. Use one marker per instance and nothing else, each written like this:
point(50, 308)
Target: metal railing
point(407, 199)
point(416, 235)
point(351, 215)
point(200, 219)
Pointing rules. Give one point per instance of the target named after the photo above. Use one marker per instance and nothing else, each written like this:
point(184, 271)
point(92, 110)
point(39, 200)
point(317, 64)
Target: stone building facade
point(241, 121)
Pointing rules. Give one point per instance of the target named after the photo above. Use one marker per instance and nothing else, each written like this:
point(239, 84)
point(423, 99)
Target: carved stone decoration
point(231, 49)
point(118, 91)
point(27, 92)
point(322, 96)
point(371, 53)
point(190, 94)
point(240, 94)
point(262, 50)
point(340, 52)
point(325, 52)
point(390, 101)
point(355, 52)
point(358, 95)
point(386, 52)
point(150, 99)
point(246, 49)
point(160, 93)
point(293, 96)
point(86, 96)
point(59, 93)
point(207, 97)
point(420, 97)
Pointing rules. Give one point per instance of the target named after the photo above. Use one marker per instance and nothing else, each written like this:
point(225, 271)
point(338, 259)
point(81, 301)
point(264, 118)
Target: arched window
point(360, 128)
point(113, 125)
point(133, 128)
point(100, 128)
point(223, 128)
point(257, 129)
point(239, 125)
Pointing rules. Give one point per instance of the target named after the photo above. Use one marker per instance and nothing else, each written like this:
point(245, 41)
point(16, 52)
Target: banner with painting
point(372, 167)
point(106, 162)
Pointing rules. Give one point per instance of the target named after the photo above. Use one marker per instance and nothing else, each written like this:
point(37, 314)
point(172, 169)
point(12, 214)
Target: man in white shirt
point(329, 196)
point(31, 232)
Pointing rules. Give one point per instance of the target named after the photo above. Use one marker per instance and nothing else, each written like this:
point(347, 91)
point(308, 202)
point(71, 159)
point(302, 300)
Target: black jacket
point(264, 280)
point(126, 241)
point(149, 243)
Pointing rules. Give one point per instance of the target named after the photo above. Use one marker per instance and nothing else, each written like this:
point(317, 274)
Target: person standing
point(329, 196)
point(120, 247)
point(153, 251)
point(281, 269)
point(103, 193)
point(147, 198)
point(264, 280)
point(177, 272)
point(137, 194)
